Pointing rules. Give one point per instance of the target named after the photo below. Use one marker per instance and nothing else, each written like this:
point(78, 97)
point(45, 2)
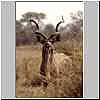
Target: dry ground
point(28, 61)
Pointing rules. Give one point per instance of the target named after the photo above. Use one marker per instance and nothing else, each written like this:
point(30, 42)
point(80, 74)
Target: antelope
point(51, 60)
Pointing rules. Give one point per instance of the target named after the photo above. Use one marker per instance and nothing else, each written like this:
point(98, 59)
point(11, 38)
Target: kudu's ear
point(54, 38)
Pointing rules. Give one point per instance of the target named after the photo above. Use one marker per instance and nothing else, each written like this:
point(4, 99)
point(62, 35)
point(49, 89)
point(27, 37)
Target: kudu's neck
point(47, 53)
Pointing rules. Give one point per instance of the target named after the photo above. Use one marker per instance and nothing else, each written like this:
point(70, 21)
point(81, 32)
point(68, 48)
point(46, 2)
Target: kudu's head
point(43, 39)
point(47, 43)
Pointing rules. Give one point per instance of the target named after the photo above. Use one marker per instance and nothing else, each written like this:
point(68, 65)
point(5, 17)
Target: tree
point(38, 16)
point(25, 33)
point(32, 15)
point(74, 30)
point(19, 27)
point(77, 20)
point(48, 29)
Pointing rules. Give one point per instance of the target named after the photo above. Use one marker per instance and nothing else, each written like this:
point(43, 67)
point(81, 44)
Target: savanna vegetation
point(28, 57)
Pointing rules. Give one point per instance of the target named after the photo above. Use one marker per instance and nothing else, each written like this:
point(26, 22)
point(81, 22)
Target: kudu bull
point(47, 49)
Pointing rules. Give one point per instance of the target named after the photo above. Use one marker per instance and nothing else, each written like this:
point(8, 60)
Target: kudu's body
point(51, 60)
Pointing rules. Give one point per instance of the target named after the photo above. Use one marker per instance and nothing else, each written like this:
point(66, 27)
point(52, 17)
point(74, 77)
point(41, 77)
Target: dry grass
point(28, 83)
